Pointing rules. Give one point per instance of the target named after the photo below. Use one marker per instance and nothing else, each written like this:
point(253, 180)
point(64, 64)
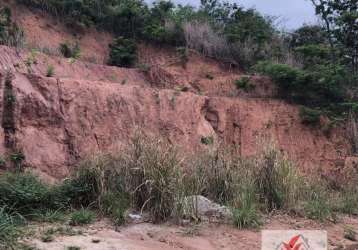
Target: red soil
point(89, 107)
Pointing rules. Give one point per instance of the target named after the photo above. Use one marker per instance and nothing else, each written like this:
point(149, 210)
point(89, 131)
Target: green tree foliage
point(125, 17)
point(156, 29)
point(122, 52)
point(308, 35)
point(310, 116)
point(313, 54)
point(340, 17)
point(242, 28)
point(321, 86)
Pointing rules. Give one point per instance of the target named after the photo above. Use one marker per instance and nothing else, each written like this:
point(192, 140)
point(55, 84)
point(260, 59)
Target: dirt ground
point(205, 236)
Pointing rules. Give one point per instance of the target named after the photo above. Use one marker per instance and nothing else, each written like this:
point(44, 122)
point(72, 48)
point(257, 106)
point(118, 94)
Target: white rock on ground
point(202, 208)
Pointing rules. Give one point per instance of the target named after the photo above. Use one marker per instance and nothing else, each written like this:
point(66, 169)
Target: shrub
point(122, 52)
point(321, 86)
point(115, 205)
point(10, 33)
point(69, 50)
point(310, 116)
point(161, 26)
point(313, 54)
point(283, 75)
point(308, 35)
point(82, 217)
point(207, 140)
point(100, 184)
point(245, 84)
point(23, 193)
point(50, 71)
point(17, 158)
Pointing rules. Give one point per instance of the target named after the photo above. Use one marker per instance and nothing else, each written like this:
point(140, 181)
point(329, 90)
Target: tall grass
point(279, 184)
point(151, 175)
point(9, 231)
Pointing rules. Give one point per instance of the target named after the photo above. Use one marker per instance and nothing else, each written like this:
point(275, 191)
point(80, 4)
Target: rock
point(135, 218)
point(204, 209)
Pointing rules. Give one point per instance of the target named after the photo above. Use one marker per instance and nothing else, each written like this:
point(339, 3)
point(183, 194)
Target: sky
point(292, 13)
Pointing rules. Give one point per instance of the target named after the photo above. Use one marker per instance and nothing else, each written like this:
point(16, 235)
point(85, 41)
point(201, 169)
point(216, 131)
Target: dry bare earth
point(201, 237)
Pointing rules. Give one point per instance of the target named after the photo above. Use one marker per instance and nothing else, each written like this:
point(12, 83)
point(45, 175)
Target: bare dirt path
point(206, 236)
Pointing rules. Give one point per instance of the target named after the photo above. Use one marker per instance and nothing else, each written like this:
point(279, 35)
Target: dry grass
point(150, 175)
point(201, 37)
point(157, 178)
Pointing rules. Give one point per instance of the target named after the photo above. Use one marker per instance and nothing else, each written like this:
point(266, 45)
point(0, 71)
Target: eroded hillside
point(86, 107)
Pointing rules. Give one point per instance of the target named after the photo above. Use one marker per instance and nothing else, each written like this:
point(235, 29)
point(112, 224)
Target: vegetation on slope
point(151, 176)
point(315, 66)
point(10, 33)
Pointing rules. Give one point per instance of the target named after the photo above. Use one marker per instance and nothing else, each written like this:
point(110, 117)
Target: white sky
point(293, 13)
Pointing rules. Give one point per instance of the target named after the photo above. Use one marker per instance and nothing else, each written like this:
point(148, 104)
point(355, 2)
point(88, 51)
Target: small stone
point(96, 241)
point(162, 239)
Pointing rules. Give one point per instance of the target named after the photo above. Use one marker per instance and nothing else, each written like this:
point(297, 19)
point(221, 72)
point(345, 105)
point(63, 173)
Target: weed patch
point(82, 217)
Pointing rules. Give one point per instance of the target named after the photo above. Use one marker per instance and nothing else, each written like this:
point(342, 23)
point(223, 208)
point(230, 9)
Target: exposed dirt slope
point(45, 32)
point(89, 107)
point(61, 120)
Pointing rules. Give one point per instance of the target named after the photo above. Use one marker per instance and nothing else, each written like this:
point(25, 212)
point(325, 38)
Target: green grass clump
point(9, 230)
point(50, 216)
point(69, 50)
point(50, 71)
point(115, 205)
point(318, 204)
point(279, 184)
point(247, 214)
point(82, 217)
point(23, 193)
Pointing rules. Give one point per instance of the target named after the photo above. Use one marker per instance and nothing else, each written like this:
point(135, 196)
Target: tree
point(340, 18)
point(308, 35)
point(122, 52)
